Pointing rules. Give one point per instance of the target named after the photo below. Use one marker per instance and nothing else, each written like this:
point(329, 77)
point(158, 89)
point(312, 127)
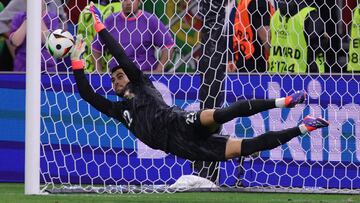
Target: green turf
point(15, 193)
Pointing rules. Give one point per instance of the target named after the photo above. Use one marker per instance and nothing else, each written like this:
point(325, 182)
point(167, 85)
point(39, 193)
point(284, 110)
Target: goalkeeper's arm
point(86, 91)
point(132, 72)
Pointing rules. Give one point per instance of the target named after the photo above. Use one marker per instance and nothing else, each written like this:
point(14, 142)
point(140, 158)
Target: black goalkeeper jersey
point(146, 115)
point(149, 118)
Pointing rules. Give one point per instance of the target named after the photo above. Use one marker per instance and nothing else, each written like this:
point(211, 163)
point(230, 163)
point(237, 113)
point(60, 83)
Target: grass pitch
point(14, 193)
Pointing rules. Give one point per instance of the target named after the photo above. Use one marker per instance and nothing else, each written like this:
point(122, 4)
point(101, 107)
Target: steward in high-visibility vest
point(250, 20)
point(290, 50)
point(354, 50)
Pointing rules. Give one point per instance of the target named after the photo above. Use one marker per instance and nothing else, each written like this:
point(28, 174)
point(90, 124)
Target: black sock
point(242, 109)
point(268, 140)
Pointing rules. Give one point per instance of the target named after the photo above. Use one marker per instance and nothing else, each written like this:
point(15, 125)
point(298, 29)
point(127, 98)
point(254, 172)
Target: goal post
point(33, 80)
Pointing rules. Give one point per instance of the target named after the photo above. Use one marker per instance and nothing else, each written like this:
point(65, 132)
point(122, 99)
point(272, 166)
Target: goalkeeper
point(189, 135)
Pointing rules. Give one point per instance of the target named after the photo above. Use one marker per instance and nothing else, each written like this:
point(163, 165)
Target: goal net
point(82, 150)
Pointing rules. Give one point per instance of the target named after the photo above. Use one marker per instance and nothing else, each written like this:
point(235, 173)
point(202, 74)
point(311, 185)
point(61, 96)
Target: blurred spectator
point(50, 21)
point(297, 39)
point(16, 6)
point(6, 16)
point(249, 28)
point(354, 49)
point(5, 57)
point(88, 32)
point(57, 7)
point(8, 13)
point(139, 33)
point(4, 2)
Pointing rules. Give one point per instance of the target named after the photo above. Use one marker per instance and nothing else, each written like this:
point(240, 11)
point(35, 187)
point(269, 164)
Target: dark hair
point(115, 69)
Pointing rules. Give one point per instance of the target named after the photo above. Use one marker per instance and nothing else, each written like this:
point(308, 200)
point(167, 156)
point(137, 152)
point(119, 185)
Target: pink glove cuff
point(99, 26)
point(77, 65)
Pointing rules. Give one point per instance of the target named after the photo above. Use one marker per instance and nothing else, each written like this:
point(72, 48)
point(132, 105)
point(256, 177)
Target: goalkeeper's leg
point(270, 140)
point(213, 117)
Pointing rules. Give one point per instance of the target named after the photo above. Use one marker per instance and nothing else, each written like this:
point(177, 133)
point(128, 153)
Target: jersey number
point(127, 117)
point(281, 66)
point(354, 58)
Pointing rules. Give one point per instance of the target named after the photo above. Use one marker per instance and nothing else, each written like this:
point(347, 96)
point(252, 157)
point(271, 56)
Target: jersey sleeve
point(94, 99)
point(16, 22)
point(132, 72)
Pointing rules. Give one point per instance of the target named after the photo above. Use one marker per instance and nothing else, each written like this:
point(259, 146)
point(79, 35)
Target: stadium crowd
point(253, 45)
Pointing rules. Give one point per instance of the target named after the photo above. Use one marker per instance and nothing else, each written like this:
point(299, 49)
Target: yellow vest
point(289, 50)
point(354, 50)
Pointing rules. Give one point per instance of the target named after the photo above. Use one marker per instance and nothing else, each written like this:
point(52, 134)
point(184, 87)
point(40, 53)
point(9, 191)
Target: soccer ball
point(60, 43)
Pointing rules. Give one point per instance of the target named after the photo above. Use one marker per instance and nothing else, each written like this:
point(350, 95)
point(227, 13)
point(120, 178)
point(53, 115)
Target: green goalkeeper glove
point(79, 49)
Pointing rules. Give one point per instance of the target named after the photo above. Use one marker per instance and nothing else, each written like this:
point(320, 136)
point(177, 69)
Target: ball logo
point(60, 43)
point(190, 118)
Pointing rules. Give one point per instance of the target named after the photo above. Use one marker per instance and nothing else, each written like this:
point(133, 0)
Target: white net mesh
point(83, 150)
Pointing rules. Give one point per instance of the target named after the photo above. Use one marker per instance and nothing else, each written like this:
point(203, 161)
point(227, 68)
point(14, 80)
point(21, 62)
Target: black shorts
point(191, 140)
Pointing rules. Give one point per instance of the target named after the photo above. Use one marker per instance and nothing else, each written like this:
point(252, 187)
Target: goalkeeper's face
point(119, 81)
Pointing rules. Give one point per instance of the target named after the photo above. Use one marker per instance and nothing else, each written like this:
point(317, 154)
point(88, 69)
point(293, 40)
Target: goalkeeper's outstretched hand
point(96, 14)
point(79, 49)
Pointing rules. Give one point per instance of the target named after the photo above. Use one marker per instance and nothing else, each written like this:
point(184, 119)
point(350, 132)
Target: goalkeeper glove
point(96, 14)
point(79, 48)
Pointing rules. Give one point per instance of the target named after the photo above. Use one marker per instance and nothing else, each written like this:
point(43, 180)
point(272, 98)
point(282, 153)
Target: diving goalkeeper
point(190, 135)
